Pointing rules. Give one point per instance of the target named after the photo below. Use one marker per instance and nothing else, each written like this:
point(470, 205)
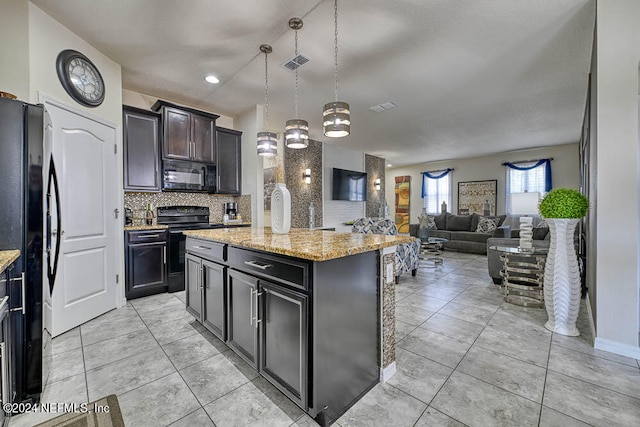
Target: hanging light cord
point(295, 93)
point(266, 92)
point(335, 53)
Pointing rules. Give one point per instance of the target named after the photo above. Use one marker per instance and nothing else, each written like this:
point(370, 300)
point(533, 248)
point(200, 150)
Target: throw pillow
point(431, 222)
point(486, 225)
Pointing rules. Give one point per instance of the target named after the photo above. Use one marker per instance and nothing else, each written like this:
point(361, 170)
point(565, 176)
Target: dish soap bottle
point(149, 215)
point(312, 216)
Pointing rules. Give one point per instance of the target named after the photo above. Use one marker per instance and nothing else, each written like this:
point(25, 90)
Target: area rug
point(96, 415)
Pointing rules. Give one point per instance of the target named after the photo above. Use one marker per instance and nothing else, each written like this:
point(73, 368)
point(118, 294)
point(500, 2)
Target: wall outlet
point(390, 273)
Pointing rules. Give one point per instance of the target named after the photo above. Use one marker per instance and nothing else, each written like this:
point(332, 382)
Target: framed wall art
point(477, 197)
point(403, 197)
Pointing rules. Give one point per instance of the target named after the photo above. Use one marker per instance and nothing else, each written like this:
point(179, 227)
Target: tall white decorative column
point(562, 278)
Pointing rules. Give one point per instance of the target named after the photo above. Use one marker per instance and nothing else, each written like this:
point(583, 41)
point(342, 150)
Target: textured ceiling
point(470, 77)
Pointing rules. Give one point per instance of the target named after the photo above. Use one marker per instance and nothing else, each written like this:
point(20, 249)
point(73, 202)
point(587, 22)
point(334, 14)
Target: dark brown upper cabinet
point(229, 160)
point(189, 134)
point(141, 137)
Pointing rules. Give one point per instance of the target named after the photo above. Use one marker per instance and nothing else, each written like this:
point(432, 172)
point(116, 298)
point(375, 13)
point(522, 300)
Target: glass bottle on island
point(148, 215)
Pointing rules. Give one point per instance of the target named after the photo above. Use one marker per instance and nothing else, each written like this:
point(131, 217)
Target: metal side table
point(431, 251)
point(523, 275)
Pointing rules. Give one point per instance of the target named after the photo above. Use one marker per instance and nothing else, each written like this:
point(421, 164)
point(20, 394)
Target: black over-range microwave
point(179, 175)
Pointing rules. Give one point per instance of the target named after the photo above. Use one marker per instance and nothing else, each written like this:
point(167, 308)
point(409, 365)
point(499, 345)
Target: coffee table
point(431, 251)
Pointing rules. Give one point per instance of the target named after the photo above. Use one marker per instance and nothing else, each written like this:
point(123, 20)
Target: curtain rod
point(526, 161)
point(439, 170)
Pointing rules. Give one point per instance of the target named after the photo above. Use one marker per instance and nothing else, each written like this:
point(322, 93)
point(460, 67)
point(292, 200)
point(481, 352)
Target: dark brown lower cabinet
point(206, 293)
point(146, 263)
point(267, 327)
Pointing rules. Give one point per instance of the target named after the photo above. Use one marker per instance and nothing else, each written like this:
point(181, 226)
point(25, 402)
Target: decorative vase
point(280, 209)
point(562, 278)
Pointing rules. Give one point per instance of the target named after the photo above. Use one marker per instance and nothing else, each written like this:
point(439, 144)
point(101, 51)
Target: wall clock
point(80, 78)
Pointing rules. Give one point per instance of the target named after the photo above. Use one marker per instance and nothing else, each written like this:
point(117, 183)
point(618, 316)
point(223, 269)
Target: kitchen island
point(312, 311)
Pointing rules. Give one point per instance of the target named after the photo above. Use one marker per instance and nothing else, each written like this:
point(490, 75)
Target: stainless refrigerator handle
point(5, 373)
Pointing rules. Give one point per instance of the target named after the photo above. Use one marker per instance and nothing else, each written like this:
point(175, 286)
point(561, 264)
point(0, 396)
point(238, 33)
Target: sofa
point(460, 231)
point(541, 239)
point(407, 254)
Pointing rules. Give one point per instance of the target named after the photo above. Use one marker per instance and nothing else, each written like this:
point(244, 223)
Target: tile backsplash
point(137, 202)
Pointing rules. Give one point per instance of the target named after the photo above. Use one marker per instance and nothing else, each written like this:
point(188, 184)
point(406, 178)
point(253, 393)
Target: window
point(532, 179)
point(436, 188)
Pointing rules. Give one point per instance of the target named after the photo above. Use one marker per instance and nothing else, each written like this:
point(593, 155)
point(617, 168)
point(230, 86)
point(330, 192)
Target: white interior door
point(85, 286)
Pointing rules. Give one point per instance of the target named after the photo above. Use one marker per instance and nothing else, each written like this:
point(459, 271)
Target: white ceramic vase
point(562, 278)
point(280, 209)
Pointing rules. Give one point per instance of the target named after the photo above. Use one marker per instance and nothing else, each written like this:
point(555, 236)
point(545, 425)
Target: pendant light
point(296, 131)
point(336, 117)
point(267, 141)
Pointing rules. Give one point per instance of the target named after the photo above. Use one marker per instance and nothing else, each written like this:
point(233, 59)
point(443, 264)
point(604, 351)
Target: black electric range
point(179, 219)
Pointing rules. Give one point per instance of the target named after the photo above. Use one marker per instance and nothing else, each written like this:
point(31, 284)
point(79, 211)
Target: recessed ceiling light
point(212, 79)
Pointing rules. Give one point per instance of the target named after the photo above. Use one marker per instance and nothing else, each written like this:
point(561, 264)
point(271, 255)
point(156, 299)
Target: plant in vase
point(562, 209)
point(280, 203)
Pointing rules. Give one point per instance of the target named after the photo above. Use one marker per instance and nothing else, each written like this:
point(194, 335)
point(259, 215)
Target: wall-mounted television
point(349, 185)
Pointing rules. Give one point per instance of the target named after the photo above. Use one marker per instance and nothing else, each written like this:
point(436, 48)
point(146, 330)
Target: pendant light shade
point(267, 144)
point(267, 141)
point(336, 119)
point(336, 116)
point(296, 131)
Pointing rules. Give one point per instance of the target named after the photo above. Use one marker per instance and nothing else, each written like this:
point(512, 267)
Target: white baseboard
point(618, 348)
point(388, 372)
point(590, 314)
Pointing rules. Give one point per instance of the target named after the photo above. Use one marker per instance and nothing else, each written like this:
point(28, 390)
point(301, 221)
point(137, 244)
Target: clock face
point(80, 78)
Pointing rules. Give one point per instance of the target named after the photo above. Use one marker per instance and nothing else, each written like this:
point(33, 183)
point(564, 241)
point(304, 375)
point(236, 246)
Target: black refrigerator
point(22, 227)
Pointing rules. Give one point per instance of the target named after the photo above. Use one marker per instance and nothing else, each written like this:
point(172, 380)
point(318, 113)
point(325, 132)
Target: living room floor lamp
point(525, 204)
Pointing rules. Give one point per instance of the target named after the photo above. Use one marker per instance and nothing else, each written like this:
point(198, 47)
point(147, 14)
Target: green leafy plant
point(564, 203)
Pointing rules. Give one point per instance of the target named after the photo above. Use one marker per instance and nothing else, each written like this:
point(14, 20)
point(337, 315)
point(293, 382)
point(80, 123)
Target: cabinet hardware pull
point(201, 276)
point(24, 302)
point(258, 320)
point(164, 255)
point(204, 248)
point(5, 365)
point(258, 265)
point(251, 307)
point(148, 236)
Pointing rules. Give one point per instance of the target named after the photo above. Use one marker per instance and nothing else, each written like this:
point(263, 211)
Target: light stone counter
point(313, 245)
point(6, 258)
point(145, 227)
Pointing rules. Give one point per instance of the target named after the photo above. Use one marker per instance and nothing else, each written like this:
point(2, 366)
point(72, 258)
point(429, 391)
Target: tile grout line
point(176, 371)
point(449, 376)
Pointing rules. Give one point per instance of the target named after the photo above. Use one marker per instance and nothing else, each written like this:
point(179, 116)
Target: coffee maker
point(231, 209)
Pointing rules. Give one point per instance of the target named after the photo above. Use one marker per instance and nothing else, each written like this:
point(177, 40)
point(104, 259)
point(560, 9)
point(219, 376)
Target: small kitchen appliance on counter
point(231, 209)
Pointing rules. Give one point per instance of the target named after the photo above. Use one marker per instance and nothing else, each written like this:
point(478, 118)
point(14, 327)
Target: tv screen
point(349, 185)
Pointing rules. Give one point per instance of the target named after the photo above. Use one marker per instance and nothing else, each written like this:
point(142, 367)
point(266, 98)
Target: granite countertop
point(145, 227)
point(6, 258)
point(313, 245)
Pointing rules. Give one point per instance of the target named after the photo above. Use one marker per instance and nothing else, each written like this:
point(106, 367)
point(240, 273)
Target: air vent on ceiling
point(296, 62)
point(383, 107)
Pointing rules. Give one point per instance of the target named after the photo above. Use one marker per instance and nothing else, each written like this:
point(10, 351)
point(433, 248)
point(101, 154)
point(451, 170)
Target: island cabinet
point(188, 134)
point(141, 141)
point(205, 278)
point(310, 328)
point(229, 160)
